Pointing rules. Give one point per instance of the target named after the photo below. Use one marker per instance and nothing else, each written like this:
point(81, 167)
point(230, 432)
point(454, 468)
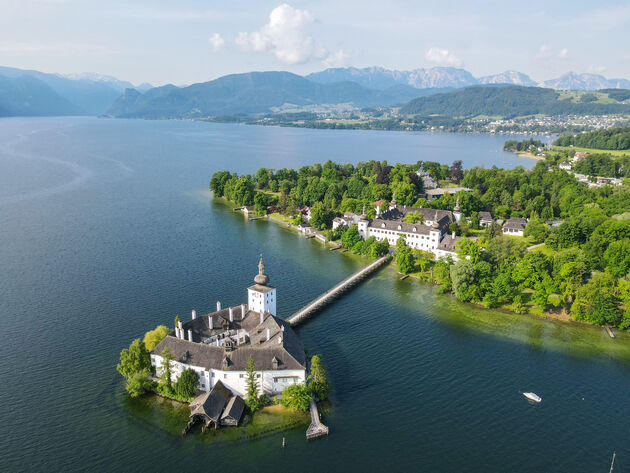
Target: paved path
point(316, 429)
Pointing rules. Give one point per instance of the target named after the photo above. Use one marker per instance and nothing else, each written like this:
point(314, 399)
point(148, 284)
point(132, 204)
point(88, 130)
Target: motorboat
point(532, 397)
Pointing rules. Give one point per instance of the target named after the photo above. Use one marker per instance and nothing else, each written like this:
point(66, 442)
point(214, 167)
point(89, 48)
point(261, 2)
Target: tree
point(297, 396)
point(463, 279)
point(455, 172)
point(413, 217)
point(404, 256)
point(165, 377)
point(350, 237)
point(321, 217)
point(617, 258)
point(261, 203)
point(596, 301)
point(155, 336)
point(187, 383)
point(177, 320)
point(252, 385)
point(138, 383)
point(217, 183)
point(318, 384)
point(134, 359)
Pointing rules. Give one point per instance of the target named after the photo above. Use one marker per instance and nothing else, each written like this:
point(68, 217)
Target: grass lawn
point(546, 250)
point(613, 152)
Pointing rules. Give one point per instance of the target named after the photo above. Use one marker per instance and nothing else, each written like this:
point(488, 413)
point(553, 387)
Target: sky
point(188, 41)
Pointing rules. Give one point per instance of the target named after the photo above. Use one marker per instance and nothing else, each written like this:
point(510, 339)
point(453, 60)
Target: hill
point(508, 102)
point(27, 96)
point(251, 93)
point(610, 139)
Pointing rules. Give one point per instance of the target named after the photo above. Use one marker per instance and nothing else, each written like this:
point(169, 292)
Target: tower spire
point(261, 278)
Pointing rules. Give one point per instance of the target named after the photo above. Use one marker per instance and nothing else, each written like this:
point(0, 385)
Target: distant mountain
point(28, 96)
point(381, 78)
point(573, 81)
point(506, 101)
point(451, 77)
point(143, 87)
point(508, 77)
point(251, 93)
point(91, 94)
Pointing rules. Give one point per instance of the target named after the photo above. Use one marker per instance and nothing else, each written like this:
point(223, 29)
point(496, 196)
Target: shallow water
point(107, 230)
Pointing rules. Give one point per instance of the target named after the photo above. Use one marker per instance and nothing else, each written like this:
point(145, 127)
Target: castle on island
point(217, 346)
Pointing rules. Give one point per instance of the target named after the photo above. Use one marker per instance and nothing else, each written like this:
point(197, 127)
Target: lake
point(107, 229)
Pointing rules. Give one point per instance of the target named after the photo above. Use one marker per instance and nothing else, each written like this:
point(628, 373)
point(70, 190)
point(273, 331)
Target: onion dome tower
point(261, 297)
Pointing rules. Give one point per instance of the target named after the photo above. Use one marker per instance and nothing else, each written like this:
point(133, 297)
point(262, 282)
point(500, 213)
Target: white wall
point(262, 301)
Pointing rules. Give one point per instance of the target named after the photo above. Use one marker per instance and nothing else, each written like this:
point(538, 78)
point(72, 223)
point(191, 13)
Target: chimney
point(262, 317)
point(210, 323)
point(177, 332)
point(180, 325)
point(282, 328)
point(268, 334)
point(242, 311)
point(218, 306)
point(453, 235)
point(194, 314)
point(231, 315)
point(190, 335)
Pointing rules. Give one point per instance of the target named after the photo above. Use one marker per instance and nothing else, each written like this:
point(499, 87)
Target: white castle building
point(431, 235)
point(218, 345)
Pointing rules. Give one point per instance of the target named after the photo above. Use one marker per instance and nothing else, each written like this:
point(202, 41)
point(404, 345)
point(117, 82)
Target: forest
point(581, 270)
point(611, 139)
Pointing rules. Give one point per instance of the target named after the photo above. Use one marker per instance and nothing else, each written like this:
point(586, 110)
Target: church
point(217, 346)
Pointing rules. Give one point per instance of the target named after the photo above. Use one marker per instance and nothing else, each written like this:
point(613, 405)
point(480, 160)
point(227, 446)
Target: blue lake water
point(107, 230)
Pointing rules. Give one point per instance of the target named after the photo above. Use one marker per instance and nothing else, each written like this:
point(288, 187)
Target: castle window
point(224, 375)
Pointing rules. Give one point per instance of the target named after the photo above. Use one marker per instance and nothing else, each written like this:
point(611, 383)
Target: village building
point(515, 226)
point(565, 166)
point(248, 209)
point(485, 219)
point(427, 180)
point(217, 346)
point(348, 219)
point(440, 191)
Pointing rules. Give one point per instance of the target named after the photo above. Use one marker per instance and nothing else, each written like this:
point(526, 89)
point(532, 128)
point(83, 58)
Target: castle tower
point(261, 297)
point(456, 212)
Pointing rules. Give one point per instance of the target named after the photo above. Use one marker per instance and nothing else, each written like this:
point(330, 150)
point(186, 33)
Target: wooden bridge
point(322, 300)
point(316, 429)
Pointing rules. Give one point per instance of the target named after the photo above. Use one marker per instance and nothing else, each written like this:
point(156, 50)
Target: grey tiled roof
point(234, 408)
point(448, 243)
point(516, 223)
point(211, 404)
point(421, 229)
point(400, 211)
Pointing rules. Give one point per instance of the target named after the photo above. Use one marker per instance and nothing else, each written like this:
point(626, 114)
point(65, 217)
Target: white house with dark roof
point(515, 226)
point(218, 345)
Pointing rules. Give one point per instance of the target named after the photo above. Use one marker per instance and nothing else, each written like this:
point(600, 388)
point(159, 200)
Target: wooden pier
point(316, 429)
point(611, 334)
point(322, 300)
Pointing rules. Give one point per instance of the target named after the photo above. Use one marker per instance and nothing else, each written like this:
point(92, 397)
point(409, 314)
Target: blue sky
point(188, 41)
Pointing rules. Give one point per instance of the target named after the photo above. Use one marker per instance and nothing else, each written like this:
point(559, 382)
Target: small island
point(226, 363)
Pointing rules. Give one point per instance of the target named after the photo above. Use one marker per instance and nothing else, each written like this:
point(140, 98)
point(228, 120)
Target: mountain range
point(439, 77)
point(28, 92)
point(254, 92)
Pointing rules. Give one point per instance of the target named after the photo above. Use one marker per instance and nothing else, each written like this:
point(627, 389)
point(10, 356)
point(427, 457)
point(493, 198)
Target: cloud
point(442, 56)
point(338, 59)
point(284, 36)
point(547, 52)
point(217, 42)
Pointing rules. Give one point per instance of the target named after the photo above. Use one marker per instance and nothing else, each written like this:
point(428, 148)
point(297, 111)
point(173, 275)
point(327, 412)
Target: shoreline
point(526, 154)
point(561, 316)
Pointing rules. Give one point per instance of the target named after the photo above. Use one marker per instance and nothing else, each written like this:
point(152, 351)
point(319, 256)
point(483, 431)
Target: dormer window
point(226, 363)
point(399, 227)
point(274, 363)
point(382, 225)
point(415, 229)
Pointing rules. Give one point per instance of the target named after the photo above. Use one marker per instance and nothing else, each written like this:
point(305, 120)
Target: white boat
point(532, 397)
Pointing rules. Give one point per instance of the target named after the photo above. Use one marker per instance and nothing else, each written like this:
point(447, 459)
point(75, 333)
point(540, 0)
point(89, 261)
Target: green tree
point(321, 217)
point(252, 385)
point(187, 383)
point(296, 396)
point(155, 336)
point(404, 256)
point(617, 258)
point(350, 237)
point(261, 203)
point(165, 377)
point(177, 320)
point(134, 359)
point(138, 383)
point(596, 301)
point(318, 384)
point(217, 183)
point(414, 217)
point(463, 279)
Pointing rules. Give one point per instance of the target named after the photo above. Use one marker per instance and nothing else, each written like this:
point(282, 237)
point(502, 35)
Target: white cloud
point(547, 52)
point(338, 59)
point(217, 42)
point(442, 56)
point(284, 36)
